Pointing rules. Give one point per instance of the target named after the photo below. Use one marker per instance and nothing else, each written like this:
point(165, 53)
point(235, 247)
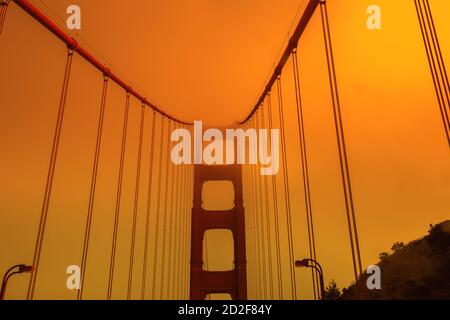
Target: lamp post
point(20, 268)
point(311, 263)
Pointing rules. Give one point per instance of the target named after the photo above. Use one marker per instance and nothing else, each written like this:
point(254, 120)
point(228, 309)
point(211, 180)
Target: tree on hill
point(415, 271)
point(397, 246)
point(332, 291)
point(383, 255)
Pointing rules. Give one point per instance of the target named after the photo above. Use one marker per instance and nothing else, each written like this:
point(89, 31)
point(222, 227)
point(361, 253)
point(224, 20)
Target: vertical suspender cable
point(183, 256)
point(166, 200)
point(286, 191)
point(172, 227)
point(268, 224)
point(266, 275)
point(158, 207)
point(50, 176)
point(259, 263)
point(266, 240)
point(188, 208)
point(149, 205)
point(191, 196)
point(187, 205)
point(440, 79)
point(174, 235)
point(437, 49)
point(87, 230)
point(247, 232)
point(249, 226)
point(179, 234)
point(349, 205)
point(275, 210)
point(118, 197)
point(251, 234)
point(249, 212)
point(258, 223)
point(136, 203)
point(305, 171)
point(252, 221)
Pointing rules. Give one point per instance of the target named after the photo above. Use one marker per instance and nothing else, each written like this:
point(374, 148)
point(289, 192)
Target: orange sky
point(209, 61)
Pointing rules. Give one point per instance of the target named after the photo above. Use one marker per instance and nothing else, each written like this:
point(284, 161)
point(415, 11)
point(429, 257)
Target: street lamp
point(20, 268)
point(311, 263)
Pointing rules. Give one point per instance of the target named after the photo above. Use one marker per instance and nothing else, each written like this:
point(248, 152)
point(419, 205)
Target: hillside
point(418, 270)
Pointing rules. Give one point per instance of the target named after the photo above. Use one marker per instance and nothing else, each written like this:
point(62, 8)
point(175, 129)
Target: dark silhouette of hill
point(418, 270)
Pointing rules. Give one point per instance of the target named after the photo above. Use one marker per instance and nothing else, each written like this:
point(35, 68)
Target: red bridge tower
point(233, 282)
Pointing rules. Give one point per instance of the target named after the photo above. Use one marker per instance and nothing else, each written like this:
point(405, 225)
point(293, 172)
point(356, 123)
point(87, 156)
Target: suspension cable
point(183, 252)
point(433, 49)
point(437, 48)
point(50, 176)
point(188, 211)
point(179, 233)
point(136, 203)
point(349, 205)
point(286, 191)
point(166, 214)
point(87, 230)
point(118, 197)
point(149, 204)
point(185, 255)
point(275, 210)
point(268, 224)
point(249, 227)
point(260, 264)
point(189, 205)
point(249, 214)
point(305, 171)
point(158, 207)
point(62, 35)
point(172, 227)
point(265, 240)
point(258, 225)
point(191, 194)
